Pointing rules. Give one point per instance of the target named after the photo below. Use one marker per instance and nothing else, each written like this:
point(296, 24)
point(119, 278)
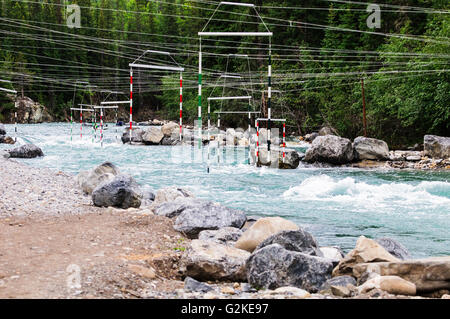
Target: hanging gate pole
point(131, 104)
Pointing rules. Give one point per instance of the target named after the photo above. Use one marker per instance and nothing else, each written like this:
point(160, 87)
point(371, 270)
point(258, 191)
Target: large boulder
point(210, 216)
point(394, 248)
point(169, 194)
point(89, 180)
point(30, 111)
point(6, 140)
point(2, 129)
point(291, 159)
point(170, 129)
point(26, 151)
point(192, 285)
point(174, 208)
point(263, 229)
point(365, 251)
point(206, 260)
point(340, 281)
point(153, 136)
point(430, 274)
point(294, 240)
point(370, 149)
point(224, 236)
point(122, 191)
point(170, 141)
point(391, 284)
point(273, 266)
point(436, 146)
point(330, 149)
point(137, 135)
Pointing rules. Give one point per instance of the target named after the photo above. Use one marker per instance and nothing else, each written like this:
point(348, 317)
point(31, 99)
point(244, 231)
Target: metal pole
point(364, 108)
point(101, 127)
point(181, 107)
point(131, 104)
point(200, 94)
point(284, 142)
point(257, 144)
point(15, 118)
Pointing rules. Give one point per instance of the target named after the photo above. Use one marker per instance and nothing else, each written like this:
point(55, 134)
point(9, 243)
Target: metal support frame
point(230, 34)
point(178, 68)
point(268, 136)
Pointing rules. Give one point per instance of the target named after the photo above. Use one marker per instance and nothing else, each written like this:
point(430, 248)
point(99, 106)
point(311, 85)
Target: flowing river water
point(336, 205)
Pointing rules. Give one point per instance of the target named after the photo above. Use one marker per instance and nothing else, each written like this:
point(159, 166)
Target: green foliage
point(320, 81)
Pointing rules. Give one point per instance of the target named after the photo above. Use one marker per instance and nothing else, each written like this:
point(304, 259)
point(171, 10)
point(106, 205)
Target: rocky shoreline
point(209, 251)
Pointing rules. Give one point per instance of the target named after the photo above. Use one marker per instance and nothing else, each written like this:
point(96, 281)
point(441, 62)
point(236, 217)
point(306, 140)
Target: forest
point(323, 53)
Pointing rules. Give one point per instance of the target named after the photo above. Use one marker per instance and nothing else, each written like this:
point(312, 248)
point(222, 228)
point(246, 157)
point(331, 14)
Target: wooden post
point(364, 108)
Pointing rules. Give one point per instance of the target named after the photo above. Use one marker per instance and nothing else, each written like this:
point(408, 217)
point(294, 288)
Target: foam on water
point(348, 190)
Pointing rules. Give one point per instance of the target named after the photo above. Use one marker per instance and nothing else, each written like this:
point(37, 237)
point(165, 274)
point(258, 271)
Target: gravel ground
point(53, 238)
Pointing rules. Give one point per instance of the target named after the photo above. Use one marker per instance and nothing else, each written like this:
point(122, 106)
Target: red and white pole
point(81, 123)
point(131, 104)
point(284, 141)
point(101, 127)
point(181, 106)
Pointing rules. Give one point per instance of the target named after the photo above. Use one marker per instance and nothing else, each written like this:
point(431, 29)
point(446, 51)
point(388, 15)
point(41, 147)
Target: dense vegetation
point(321, 52)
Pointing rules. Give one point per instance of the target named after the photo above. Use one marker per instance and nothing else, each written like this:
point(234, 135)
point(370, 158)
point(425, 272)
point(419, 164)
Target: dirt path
point(63, 247)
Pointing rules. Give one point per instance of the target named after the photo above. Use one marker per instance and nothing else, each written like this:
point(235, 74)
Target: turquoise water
point(336, 205)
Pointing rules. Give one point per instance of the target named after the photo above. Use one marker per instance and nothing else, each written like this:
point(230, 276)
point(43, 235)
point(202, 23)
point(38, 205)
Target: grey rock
point(122, 191)
point(2, 129)
point(394, 248)
point(340, 281)
point(311, 137)
point(26, 151)
point(291, 160)
point(192, 285)
point(436, 146)
point(206, 260)
point(366, 276)
point(170, 129)
point(273, 266)
point(210, 216)
point(153, 136)
point(176, 207)
point(225, 236)
point(330, 149)
point(170, 141)
point(370, 149)
point(168, 194)
point(89, 180)
point(137, 135)
point(294, 240)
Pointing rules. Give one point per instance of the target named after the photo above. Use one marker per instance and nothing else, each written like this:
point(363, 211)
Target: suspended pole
point(131, 105)
point(181, 106)
point(257, 137)
point(229, 34)
point(81, 116)
point(177, 68)
point(115, 106)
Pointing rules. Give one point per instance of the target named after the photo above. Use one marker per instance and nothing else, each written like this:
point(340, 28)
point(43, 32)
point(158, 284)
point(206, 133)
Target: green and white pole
point(200, 95)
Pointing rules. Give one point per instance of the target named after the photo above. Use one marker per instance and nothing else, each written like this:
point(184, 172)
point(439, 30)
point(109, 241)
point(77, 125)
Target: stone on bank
point(273, 266)
point(122, 191)
point(26, 151)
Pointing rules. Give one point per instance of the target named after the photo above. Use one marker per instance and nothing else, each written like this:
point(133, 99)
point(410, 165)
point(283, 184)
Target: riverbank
point(53, 230)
